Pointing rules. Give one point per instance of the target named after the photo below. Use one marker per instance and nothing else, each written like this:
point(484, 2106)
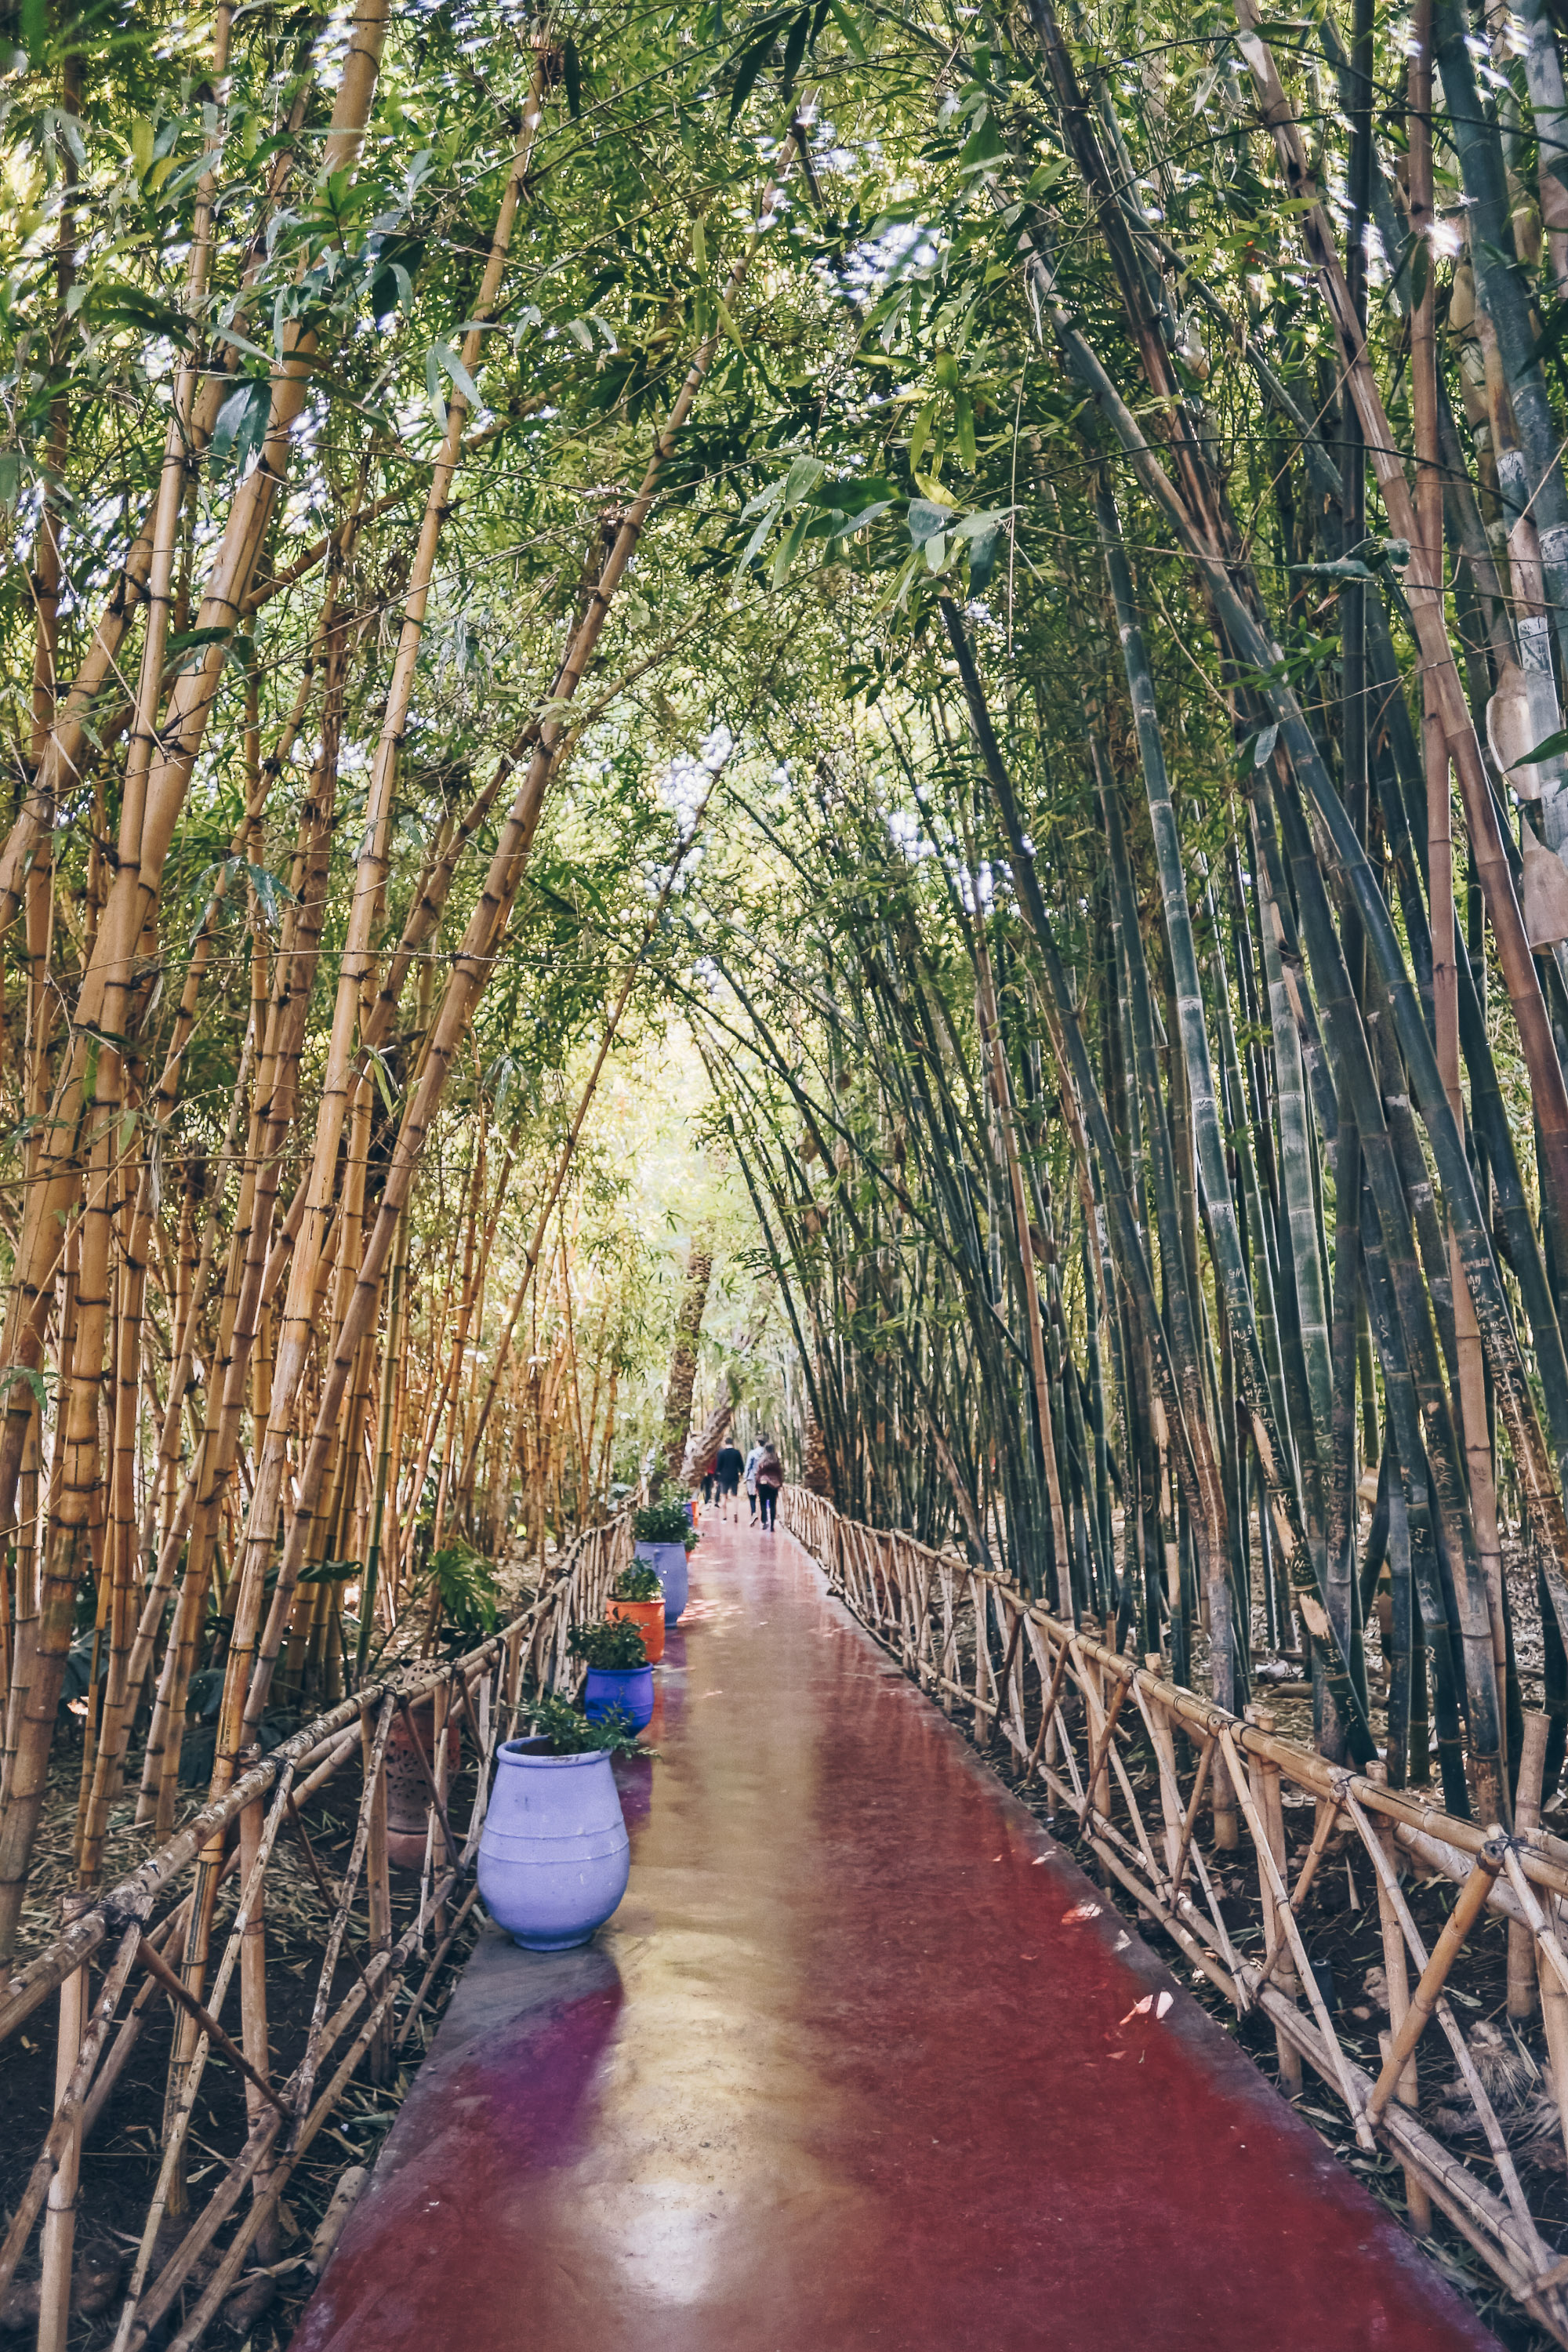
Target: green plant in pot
point(639, 1600)
point(570, 1732)
point(639, 1582)
point(667, 1522)
point(608, 1643)
point(619, 1674)
point(663, 1537)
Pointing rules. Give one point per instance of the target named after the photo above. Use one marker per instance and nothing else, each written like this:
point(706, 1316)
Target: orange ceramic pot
point(647, 1616)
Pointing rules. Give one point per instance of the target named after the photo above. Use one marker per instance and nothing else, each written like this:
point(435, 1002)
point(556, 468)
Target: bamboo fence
point(1070, 1709)
point(129, 1934)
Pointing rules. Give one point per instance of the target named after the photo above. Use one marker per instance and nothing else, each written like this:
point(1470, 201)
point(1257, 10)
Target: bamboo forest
point(836, 728)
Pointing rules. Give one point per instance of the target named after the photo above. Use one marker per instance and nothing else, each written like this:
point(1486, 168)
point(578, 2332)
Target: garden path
point(848, 2070)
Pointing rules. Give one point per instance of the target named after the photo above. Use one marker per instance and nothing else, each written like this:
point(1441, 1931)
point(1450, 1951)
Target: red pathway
point(845, 2072)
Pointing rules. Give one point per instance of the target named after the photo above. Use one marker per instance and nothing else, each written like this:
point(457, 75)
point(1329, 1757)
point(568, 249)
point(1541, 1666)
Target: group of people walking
point(760, 1470)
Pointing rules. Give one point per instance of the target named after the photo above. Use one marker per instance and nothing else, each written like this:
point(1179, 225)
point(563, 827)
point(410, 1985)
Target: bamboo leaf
point(794, 49)
point(1553, 748)
point(802, 480)
point(241, 426)
point(785, 559)
point(927, 520)
point(752, 61)
point(849, 29)
point(460, 374)
point(982, 554)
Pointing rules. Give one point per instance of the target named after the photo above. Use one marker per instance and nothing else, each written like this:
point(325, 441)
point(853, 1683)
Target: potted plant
point(554, 1856)
point(638, 1597)
point(662, 1535)
point(619, 1675)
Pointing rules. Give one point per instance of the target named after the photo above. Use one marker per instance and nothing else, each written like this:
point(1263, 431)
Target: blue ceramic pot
point(668, 1562)
point(629, 1687)
point(554, 1856)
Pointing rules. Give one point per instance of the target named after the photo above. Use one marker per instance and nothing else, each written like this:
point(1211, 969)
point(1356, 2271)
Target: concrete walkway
point(849, 2069)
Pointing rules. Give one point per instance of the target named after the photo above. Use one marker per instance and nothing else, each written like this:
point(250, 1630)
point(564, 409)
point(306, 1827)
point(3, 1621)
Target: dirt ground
point(119, 2163)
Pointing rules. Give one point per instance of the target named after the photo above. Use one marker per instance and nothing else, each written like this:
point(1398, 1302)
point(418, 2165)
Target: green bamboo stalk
point(1416, 1339)
point(1224, 1243)
point(1251, 643)
point(1405, 1438)
point(1068, 1041)
point(1341, 1517)
point(1251, 1203)
point(1133, 990)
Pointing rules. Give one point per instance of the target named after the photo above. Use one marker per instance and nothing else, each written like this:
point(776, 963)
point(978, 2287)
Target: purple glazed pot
point(668, 1562)
point(628, 1688)
point(554, 1856)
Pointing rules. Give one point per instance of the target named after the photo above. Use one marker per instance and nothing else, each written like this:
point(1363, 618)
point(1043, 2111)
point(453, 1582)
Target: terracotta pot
point(408, 1791)
point(647, 1616)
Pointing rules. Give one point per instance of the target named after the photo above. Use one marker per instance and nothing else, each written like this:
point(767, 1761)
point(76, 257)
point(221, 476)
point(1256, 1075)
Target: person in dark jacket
point(770, 1478)
point(727, 1469)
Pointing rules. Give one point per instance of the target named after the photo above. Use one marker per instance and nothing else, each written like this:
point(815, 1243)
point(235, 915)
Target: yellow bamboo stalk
point(297, 1330)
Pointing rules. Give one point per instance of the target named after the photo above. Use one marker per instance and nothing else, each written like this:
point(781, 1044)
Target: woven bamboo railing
point(1068, 1706)
point(138, 1938)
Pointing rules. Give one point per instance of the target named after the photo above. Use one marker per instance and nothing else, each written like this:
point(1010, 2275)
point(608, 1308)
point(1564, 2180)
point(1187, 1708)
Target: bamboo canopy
point(813, 720)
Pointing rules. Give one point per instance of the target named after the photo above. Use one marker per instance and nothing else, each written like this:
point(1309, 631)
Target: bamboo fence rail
point(131, 1930)
point(1068, 1707)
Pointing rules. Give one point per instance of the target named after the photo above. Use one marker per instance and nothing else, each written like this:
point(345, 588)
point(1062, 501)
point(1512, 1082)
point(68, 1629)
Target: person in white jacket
point(750, 1476)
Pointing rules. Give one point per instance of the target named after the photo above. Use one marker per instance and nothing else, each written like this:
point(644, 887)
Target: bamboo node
point(124, 1906)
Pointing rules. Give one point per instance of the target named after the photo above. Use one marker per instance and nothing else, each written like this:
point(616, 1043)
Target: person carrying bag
point(770, 1478)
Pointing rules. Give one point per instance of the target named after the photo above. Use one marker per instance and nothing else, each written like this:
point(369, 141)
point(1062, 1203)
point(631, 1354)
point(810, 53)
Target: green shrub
point(664, 1522)
point(570, 1733)
point(612, 1644)
point(470, 1593)
point(639, 1582)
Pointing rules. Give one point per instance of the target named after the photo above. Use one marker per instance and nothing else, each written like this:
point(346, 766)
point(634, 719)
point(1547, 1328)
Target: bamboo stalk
point(472, 970)
point(1279, 1944)
point(1423, 2000)
point(59, 2214)
point(1522, 1969)
point(148, 821)
point(156, 1966)
point(378, 1890)
point(354, 968)
point(1253, 644)
point(62, 2145)
point(1194, 1452)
